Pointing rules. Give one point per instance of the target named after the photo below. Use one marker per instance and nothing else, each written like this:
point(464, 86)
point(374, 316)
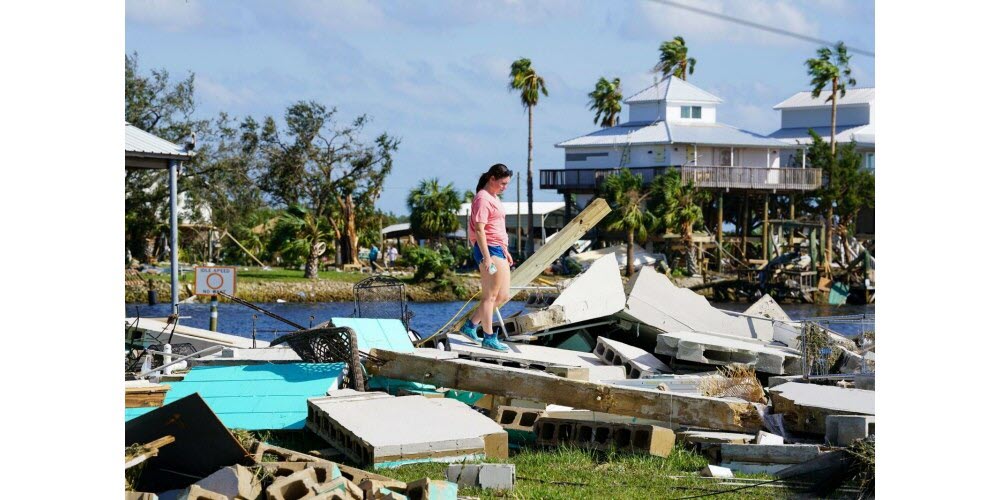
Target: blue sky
point(435, 73)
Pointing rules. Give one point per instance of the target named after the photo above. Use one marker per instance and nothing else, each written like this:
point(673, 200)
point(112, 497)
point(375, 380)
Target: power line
point(760, 26)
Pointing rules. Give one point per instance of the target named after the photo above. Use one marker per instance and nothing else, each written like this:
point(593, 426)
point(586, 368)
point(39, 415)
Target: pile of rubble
point(639, 367)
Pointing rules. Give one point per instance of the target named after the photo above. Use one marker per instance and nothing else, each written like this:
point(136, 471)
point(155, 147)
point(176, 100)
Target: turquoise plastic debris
point(256, 397)
point(838, 293)
point(387, 334)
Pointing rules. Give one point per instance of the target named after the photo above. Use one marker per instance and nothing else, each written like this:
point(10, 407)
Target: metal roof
point(863, 134)
point(660, 132)
point(396, 227)
point(138, 142)
point(673, 89)
point(804, 99)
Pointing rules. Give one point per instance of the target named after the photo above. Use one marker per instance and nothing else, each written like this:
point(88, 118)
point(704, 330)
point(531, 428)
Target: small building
point(548, 219)
point(672, 124)
point(855, 121)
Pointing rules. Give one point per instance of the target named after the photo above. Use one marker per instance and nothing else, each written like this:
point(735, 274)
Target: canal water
point(428, 317)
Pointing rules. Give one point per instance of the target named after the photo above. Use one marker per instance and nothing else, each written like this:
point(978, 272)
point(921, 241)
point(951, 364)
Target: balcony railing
point(780, 179)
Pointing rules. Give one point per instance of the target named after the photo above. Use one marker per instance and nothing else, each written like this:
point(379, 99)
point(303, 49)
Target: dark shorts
point(496, 250)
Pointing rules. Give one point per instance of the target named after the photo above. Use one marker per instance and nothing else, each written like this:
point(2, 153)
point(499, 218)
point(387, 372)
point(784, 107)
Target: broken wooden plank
point(675, 409)
point(149, 450)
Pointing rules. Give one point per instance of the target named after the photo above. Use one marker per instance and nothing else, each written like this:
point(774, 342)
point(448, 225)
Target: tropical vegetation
point(676, 206)
point(606, 102)
point(433, 209)
point(625, 194)
point(674, 60)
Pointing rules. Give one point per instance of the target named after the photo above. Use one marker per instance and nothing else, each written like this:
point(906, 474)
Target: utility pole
point(518, 181)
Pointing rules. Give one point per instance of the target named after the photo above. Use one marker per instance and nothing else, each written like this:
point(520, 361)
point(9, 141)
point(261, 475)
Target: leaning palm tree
point(626, 195)
point(674, 59)
point(831, 69)
point(677, 207)
point(433, 209)
point(307, 236)
point(606, 100)
point(523, 78)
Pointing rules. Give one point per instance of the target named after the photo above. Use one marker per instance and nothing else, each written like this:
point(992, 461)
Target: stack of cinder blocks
point(637, 362)
point(644, 438)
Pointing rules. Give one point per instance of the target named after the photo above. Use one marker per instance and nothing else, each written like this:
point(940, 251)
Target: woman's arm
point(484, 248)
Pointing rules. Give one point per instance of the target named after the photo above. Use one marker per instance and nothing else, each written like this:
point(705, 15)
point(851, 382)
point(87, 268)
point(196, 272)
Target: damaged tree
point(324, 169)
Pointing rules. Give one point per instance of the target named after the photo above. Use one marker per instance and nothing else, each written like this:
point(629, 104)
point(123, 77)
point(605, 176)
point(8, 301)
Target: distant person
point(392, 254)
point(488, 235)
point(373, 255)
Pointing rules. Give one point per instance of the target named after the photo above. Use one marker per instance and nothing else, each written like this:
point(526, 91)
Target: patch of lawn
point(576, 473)
point(259, 275)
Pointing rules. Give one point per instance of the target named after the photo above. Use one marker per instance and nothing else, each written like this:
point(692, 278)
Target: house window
point(870, 161)
point(693, 112)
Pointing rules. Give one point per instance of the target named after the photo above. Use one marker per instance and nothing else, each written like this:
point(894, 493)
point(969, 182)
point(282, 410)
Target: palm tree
point(524, 78)
point(677, 207)
point(829, 68)
point(308, 236)
point(433, 209)
point(674, 59)
point(606, 100)
point(625, 193)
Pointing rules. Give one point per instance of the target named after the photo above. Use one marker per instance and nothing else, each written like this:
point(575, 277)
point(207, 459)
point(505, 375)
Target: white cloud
point(668, 21)
point(221, 95)
point(340, 14)
point(170, 15)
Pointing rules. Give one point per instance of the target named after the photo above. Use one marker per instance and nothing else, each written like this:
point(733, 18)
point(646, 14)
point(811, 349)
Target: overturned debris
point(638, 363)
point(723, 350)
point(805, 407)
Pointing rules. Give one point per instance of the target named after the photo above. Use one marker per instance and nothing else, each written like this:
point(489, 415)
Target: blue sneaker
point(469, 331)
point(493, 343)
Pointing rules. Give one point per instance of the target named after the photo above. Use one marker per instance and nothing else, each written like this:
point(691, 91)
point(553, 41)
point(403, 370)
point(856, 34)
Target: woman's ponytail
point(497, 171)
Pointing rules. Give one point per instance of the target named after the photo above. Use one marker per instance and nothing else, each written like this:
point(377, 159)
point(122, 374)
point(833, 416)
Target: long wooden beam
point(676, 409)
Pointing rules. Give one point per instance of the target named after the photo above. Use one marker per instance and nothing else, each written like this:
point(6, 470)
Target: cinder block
point(513, 418)
point(325, 471)
point(195, 492)
point(338, 489)
point(236, 481)
point(487, 476)
point(637, 362)
point(431, 489)
point(842, 430)
point(293, 487)
point(651, 439)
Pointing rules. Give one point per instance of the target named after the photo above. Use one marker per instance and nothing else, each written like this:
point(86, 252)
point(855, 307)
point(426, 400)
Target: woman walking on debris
point(488, 235)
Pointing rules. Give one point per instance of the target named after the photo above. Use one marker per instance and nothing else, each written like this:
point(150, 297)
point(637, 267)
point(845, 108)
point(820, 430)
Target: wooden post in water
point(213, 321)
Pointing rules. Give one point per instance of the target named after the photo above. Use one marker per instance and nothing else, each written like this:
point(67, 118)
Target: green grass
point(576, 473)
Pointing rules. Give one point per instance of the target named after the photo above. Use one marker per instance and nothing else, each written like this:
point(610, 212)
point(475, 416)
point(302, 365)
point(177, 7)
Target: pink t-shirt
point(487, 209)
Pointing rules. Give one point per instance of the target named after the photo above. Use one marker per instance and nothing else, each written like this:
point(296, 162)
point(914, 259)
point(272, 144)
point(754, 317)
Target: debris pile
point(641, 367)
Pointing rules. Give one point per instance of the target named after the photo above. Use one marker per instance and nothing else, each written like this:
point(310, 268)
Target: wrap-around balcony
point(588, 180)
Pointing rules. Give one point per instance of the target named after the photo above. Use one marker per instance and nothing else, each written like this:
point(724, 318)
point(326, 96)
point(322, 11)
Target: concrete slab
point(654, 300)
point(390, 431)
point(767, 308)
point(537, 357)
point(806, 406)
point(596, 293)
point(638, 363)
point(770, 453)
point(764, 437)
point(754, 468)
point(723, 350)
point(713, 437)
point(716, 471)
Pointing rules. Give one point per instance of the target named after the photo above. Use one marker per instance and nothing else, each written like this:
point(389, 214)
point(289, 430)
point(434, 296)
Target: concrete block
point(764, 437)
point(638, 363)
point(369, 431)
point(236, 482)
point(512, 418)
point(754, 468)
point(338, 489)
point(294, 486)
point(325, 471)
point(843, 430)
point(431, 489)
point(715, 471)
point(652, 439)
point(374, 488)
point(486, 476)
point(716, 349)
point(770, 453)
point(195, 492)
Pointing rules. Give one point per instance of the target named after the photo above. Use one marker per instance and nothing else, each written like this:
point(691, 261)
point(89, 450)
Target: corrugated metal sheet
point(140, 142)
point(864, 95)
point(863, 134)
point(672, 133)
point(673, 89)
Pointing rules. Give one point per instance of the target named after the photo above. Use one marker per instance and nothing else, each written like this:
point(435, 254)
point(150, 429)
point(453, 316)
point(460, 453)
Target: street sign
point(214, 280)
